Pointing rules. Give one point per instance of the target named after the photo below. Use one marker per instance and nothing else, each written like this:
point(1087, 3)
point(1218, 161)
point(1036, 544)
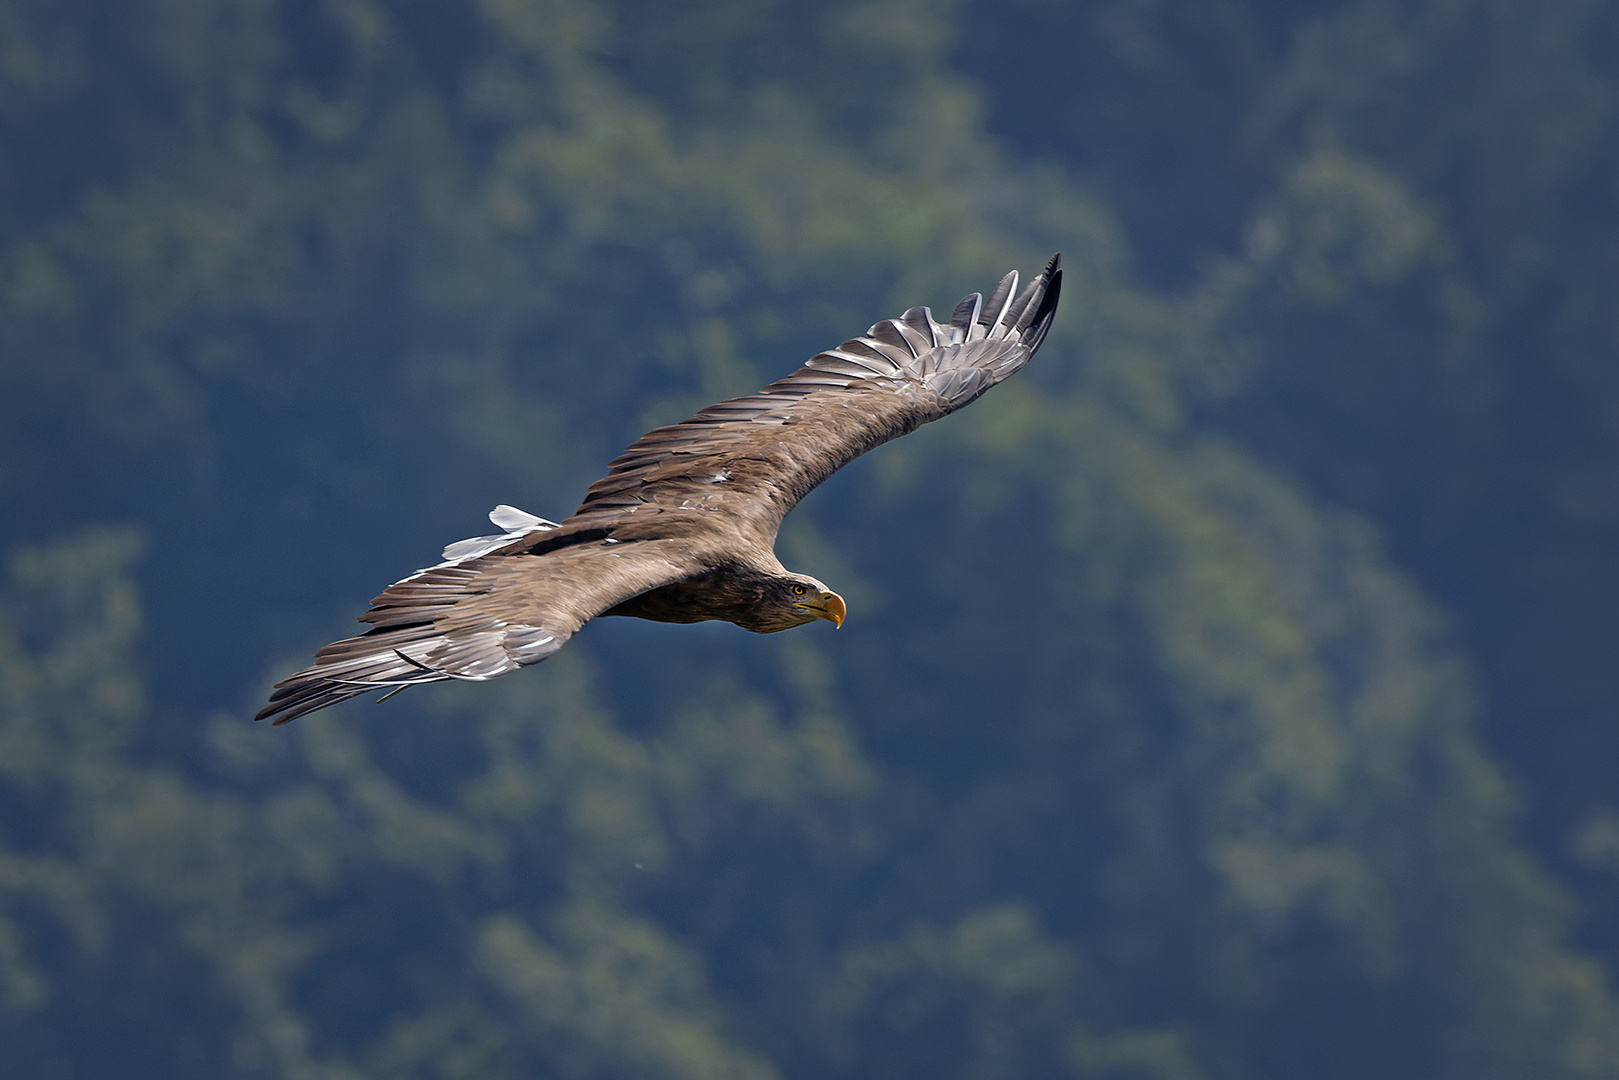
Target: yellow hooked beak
point(828, 606)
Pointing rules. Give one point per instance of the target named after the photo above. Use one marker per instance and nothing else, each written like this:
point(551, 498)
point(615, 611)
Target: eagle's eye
point(799, 590)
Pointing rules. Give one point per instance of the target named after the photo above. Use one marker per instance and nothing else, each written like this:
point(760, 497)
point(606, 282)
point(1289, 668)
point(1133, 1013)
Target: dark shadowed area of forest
point(1228, 696)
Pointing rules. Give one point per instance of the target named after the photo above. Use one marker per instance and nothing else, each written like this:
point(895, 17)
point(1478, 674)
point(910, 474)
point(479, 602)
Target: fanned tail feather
point(517, 523)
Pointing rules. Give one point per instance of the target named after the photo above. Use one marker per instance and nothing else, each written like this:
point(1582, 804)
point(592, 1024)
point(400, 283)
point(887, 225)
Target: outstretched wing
point(755, 457)
point(478, 615)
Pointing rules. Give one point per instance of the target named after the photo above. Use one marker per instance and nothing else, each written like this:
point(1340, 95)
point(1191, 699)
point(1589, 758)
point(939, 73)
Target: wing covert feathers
point(681, 499)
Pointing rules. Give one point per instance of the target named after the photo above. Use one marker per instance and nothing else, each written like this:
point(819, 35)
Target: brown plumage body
point(682, 528)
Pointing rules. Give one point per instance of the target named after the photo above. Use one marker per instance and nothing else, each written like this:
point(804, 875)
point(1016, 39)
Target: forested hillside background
point(1230, 696)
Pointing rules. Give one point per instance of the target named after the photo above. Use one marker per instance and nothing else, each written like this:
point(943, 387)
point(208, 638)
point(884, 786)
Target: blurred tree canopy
point(1153, 747)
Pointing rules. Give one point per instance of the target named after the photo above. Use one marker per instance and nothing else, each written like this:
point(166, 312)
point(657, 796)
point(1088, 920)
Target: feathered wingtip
point(312, 689)
point(992, 338)
point(1028, 317)
point(402, 621)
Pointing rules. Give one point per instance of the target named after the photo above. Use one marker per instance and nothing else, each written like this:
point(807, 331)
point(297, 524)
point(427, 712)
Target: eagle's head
point(792, 600)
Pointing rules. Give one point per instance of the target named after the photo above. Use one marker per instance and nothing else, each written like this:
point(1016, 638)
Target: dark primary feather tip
point(1040, 321)
point(966, 311)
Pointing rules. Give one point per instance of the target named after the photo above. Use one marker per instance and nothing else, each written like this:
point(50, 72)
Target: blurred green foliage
point(1406, 214)
point(1138, 759)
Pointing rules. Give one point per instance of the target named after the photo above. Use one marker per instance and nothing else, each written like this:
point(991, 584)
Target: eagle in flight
point(683, 526)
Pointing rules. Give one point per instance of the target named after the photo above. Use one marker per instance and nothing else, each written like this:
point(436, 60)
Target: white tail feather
point(517, 523)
